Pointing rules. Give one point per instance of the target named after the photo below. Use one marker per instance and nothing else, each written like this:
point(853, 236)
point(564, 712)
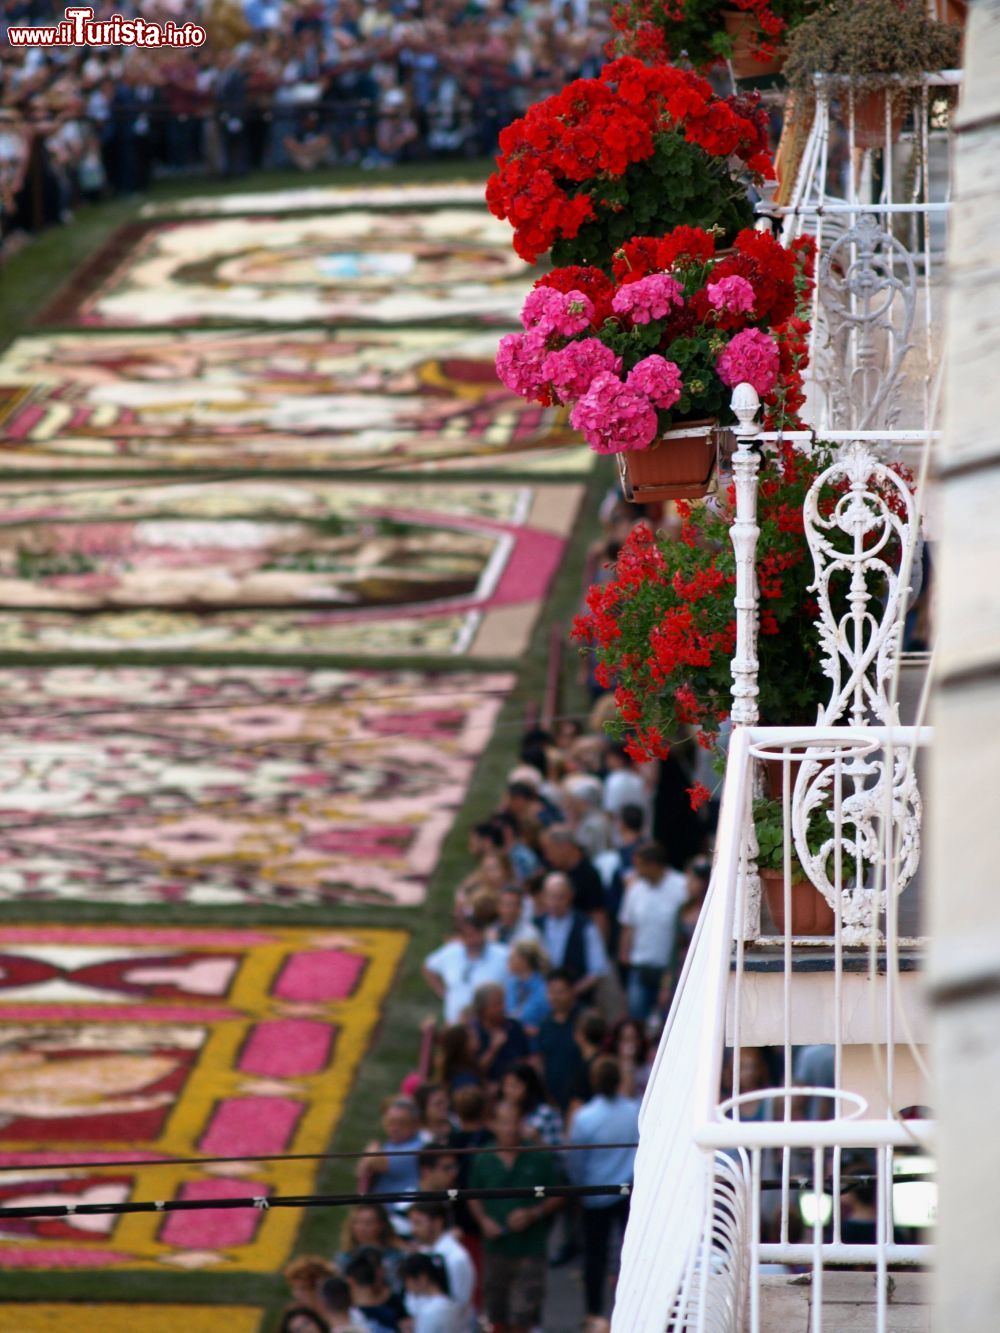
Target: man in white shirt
point(429, 1222)
point(570, 938)
point(458, 968)
point(649, 915)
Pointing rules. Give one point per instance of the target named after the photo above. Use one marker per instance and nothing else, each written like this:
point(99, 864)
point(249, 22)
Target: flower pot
point(869, 118)
point(740, 26)
point(679, 466)
point(811, 913)
point(774, 777)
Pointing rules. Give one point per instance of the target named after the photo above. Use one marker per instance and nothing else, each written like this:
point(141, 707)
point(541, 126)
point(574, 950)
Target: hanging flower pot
point(870, 117)
point(811, 914)
point(679, 466)
point(742, 29)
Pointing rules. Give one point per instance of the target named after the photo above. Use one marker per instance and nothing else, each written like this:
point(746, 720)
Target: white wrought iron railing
point(879, 214)
point(722, 1168)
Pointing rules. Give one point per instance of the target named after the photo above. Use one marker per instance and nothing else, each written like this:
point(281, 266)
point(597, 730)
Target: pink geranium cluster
point(564, 313)
point(658, 378)
point(648, 298)
point(733, 294)
point(752, 357)
point(519, 362)
point(612, 416)
point(571, 369)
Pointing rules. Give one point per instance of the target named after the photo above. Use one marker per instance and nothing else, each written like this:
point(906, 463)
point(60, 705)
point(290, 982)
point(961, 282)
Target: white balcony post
point(746, 466)
point(745, 532)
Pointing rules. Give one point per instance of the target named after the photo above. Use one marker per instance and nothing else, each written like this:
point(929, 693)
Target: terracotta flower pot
point(774, 776)
point(679, 466)
point(811, 913)
point(741, 28)
point(869, 118)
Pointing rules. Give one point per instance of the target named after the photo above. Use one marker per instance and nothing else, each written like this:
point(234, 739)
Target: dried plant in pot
point(878, 49)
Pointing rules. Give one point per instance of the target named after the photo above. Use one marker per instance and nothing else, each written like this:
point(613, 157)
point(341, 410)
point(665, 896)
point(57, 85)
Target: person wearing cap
point(457, 969)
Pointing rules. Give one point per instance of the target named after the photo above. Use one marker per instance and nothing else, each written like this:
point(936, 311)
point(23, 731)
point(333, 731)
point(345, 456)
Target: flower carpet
point(300, 568)
point(330, 398)
point(274, 544)
point(132, 1047)
point(370, 266)
point(233, 786)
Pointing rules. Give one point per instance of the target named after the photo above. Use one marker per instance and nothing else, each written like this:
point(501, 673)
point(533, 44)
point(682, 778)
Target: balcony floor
point(849, 1304)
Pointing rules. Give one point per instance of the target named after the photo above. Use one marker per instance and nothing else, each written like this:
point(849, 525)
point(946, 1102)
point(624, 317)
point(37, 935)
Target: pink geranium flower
point(751, 358)
point(733, 294)
point(572, 369)
point(658, 378)
point(550, 311)
point(648, 298)
point(613, 417)
point(519, 362)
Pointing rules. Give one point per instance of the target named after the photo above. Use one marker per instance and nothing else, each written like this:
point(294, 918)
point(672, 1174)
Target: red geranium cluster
point(556, 162)
point(663, 629)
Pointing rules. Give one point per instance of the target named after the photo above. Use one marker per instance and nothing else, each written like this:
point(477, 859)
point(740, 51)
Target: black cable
point(533, 1193)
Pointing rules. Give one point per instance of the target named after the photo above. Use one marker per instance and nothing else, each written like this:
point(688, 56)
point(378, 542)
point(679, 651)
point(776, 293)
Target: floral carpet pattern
point(291, 398)
point(319, 197)
point(382, 267)
point(134, 1047)
point(127, 1317)
point(233, 786)
point(284, 566)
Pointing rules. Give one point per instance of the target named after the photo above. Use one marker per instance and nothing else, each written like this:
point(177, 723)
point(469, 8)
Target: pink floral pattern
point(648, 298)
point(572, 368)
point(733, 295)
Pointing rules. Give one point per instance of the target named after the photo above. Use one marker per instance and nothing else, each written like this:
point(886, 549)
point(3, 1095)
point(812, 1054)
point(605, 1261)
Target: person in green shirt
point(515, 1231)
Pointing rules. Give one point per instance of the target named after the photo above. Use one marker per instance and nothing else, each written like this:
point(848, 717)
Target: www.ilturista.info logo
point(79, 28)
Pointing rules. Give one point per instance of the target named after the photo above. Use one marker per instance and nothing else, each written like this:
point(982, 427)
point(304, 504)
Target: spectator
point(434, 1108)
point(631, 1049)
point(302, 1319)
point(367, 1227)
point(541, 1122)
point(583, 801)
point(427, 1298)
point(429, 1222)
point(649, 917)
point(623, 785)
point(562, 852)
point(340, 1315)
point(456, 970)
point(525, 992)
point(523, 858)
point(526, 803)
point(558, 1054)
point(502, 1040)
point(590, 1033)
point(572, 942)
point(512, 924)
point(515, 1232)
point(457, 1063)
point(305, 1276)
point(608, 1117)
point(370, 1293)
point(393, 1169)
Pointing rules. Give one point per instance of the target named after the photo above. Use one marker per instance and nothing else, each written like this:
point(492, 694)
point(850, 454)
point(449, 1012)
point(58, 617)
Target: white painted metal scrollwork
point(860, 523)
point(868, 290)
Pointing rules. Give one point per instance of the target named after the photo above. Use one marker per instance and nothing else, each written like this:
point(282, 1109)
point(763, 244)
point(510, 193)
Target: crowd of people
point(551, 987)
point(278, 84)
